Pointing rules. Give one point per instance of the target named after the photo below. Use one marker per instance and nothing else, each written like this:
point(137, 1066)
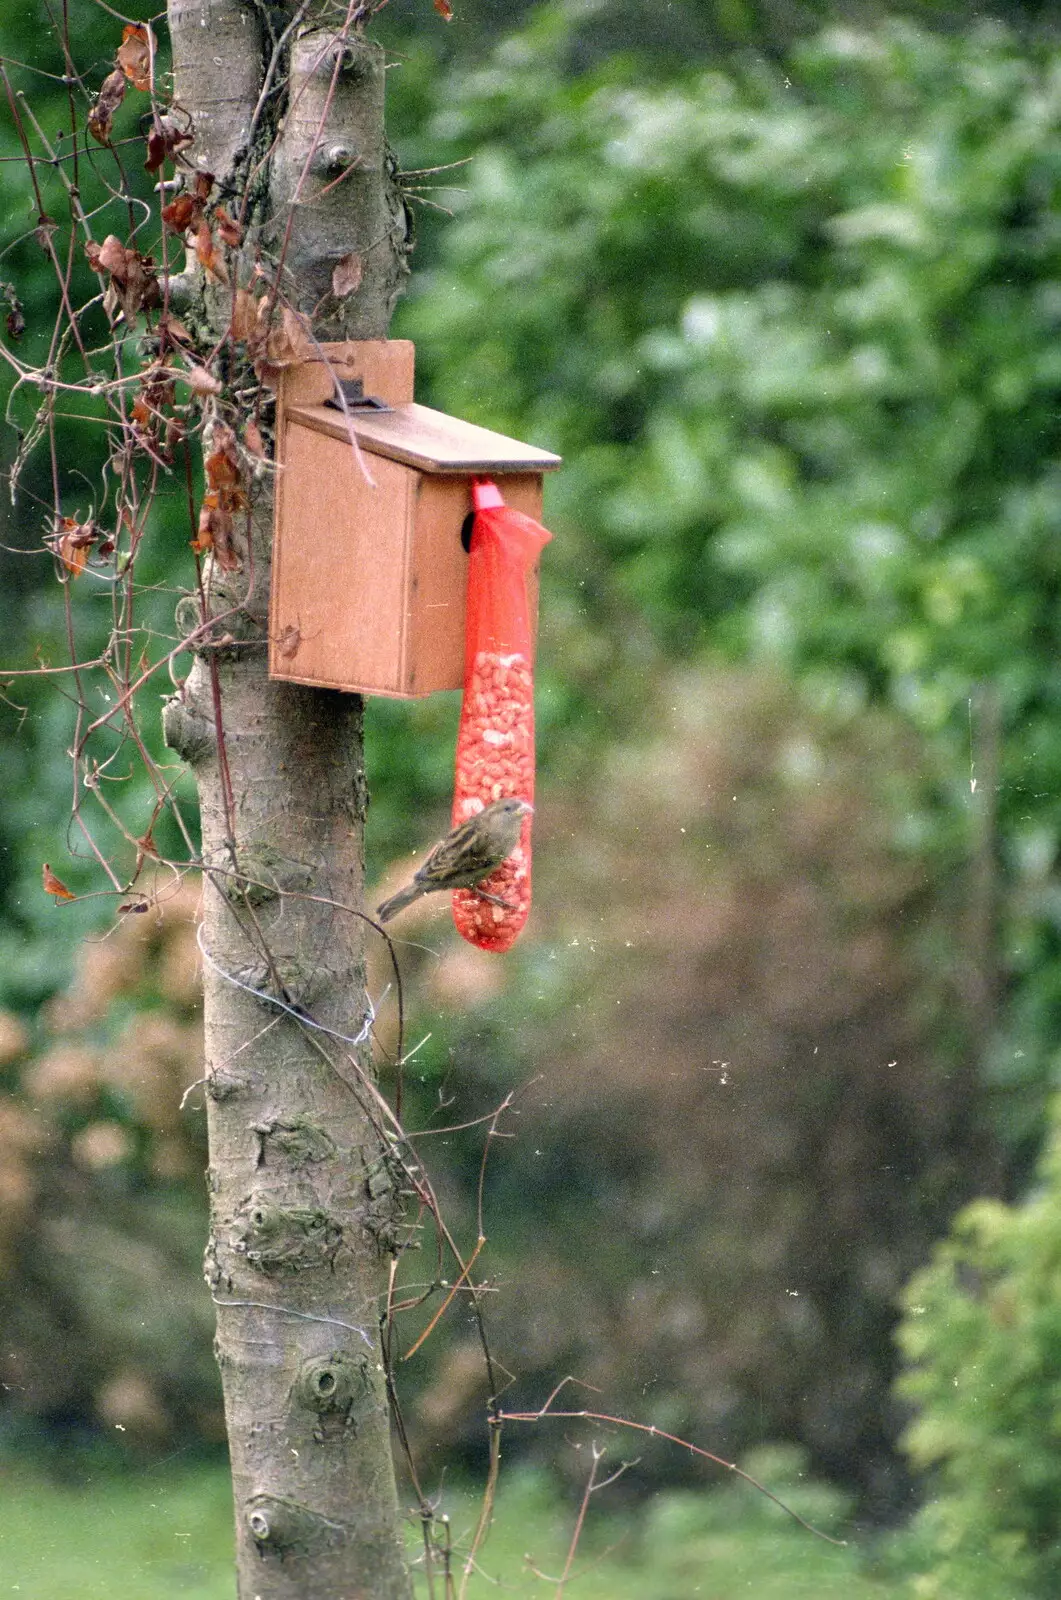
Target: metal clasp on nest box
point(353, 393)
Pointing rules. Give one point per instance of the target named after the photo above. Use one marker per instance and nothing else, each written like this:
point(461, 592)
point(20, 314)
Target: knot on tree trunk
point(286, 1527)
point(334, 1387)
point(285, 1239)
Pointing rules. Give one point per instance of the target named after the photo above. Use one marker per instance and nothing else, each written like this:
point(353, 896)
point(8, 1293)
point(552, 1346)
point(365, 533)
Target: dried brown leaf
point(156, 155)
point(229, 231)
point(171, 331)
point(181, 213)
point(253, 442)
point(164, 141)
point(134, 55)
point(71, 544)
point(222, 474)
point(157, 386)
point(289, 343)
point(110, 97)
point(216, 532)
point(203, 542)
point(223, 442)
point(134, 285)
point(113, 256)
point(142, 289)
point(209, 256)
point(244, 315)
point(53, 885)
point(224, 497)
point(176, 430)
point(347, 275)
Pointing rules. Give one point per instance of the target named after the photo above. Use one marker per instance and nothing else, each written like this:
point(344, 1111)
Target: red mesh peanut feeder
point(495, 744)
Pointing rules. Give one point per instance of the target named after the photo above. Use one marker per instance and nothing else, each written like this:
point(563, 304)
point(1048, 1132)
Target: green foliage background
point(795, 329)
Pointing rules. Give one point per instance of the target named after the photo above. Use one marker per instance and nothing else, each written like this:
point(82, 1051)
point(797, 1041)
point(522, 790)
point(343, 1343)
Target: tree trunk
point(302, 1187)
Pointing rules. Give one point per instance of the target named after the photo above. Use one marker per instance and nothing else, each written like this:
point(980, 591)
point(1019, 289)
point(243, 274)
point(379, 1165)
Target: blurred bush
point(106, 1322)
point(745, 1096)
point(982, 1341)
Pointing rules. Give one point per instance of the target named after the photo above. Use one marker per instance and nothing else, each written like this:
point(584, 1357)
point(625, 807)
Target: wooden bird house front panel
point(335, 613)
point(369, 568)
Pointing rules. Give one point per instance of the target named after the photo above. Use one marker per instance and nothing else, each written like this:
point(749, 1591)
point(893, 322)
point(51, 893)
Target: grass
point(159, 1534)
point(166, 1534)
point(682, 1545)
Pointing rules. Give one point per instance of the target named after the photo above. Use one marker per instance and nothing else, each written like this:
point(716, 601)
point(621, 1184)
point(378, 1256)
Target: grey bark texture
point(302, 1177)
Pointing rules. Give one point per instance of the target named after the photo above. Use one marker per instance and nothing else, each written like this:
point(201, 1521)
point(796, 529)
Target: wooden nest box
point(369, 567)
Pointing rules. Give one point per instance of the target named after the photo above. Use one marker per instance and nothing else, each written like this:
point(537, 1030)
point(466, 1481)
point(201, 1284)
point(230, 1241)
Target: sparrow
point(466, 856)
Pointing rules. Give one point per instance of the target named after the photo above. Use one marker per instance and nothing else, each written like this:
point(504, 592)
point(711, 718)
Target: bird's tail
point(398, 902)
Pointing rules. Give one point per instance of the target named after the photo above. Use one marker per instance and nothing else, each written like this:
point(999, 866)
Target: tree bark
point(304, 1198)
